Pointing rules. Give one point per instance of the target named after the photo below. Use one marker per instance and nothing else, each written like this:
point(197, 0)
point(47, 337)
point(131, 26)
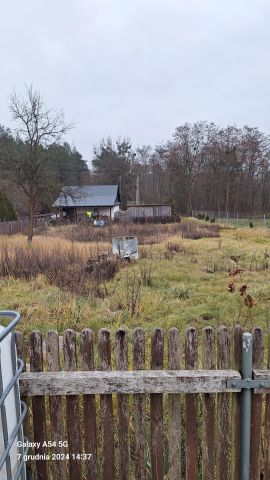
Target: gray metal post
point(246, 406)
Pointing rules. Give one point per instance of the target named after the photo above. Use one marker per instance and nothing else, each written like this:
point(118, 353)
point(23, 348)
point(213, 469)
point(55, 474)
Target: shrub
point(194, 231)
point(7, 211)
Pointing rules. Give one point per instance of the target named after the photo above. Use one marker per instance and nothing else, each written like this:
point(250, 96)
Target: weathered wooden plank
point(156, 408)
point(148, 381)
point(89, 407)
point(223, 406)
point(262, 373)
point(121, 363)
point(256, 409)
point(139, 407)
point(38, 405)
point(72, 406)
point(192, 437)
point(209, 418)
point(236, 405)
point(106, 407)
point(57, 434)
point(174, 409)
point(19, 339)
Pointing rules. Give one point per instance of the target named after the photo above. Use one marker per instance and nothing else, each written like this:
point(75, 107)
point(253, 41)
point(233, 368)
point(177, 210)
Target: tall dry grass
point(148, 234)
point(71, 267)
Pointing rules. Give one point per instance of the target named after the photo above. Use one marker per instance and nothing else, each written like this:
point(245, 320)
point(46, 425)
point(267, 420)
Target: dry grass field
point(180, 279)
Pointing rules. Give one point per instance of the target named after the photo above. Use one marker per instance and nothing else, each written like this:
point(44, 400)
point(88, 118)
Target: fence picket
point(38, 405)
point(106, 406)
point(192, 437)
point(208, 450)
point(121, 363)
point(236, 403)
point(256, 409)
point(72, 407)
point(219, 454)
point(156, 405)
point(19, 339)
point(89, 407)
point(174, 409)
point(139, 407)
point(223, 406)
point(57, 434)
point(267, 420)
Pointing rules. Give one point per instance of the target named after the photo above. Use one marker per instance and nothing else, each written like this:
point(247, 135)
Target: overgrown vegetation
point(69, 269)
point(58, 283)
point(148, 234)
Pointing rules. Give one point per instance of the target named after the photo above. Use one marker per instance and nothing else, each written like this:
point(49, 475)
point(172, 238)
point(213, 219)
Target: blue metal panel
point(88, 196)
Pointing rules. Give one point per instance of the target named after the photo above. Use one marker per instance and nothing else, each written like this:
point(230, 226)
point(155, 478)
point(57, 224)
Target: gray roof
point(88, 196)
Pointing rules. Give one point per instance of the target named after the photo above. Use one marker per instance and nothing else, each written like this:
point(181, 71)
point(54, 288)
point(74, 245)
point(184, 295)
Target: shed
point(102, 200)
point(142, 213)
point(149, 210)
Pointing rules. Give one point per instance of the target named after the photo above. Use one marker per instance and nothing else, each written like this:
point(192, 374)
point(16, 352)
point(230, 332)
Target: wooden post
point(72, 407)
point(256, 409)
point(19, 339)
point(139, 407)
point(174, 409)
point(267, 420)
point(209, 420)
point(89, 407)
point(156, 404)
point(121, 363)
point(236, 403)
point(106, 407)
point(38, 405)
point(192, 438)
point(58, 467)
point(223, 406)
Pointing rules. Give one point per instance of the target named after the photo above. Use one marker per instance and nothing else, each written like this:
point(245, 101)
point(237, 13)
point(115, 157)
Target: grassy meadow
point(180, 279)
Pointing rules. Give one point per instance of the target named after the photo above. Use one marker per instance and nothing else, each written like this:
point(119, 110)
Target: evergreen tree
point(7, 211)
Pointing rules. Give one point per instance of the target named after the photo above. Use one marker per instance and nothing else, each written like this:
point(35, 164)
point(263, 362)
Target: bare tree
point(38, 129)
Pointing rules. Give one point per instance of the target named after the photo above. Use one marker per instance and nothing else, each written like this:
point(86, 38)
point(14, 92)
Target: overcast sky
point(139, 68)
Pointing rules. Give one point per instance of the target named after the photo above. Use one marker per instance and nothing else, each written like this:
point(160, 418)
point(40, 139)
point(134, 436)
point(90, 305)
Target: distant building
point(150, 210)
point(74, 202)
point(145, 212)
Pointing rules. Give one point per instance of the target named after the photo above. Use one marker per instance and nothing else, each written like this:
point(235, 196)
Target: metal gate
point(13, 411)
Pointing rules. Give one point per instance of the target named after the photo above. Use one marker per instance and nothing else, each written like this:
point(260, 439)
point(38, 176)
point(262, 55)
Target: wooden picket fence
point(144, 406)
point(21, 226)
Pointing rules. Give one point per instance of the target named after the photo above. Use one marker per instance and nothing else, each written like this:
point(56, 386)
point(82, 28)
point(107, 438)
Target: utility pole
point(138, 189)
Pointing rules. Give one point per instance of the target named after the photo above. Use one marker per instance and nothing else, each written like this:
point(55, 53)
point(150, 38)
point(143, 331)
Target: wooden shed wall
point(149, 210)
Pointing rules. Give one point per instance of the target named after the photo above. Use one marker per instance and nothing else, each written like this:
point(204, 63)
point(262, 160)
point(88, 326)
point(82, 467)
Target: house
point(74, 202)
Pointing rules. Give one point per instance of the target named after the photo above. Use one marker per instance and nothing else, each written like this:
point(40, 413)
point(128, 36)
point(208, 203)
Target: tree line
point(202, 167)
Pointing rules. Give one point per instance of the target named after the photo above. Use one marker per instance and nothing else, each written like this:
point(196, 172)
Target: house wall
point(103, 211)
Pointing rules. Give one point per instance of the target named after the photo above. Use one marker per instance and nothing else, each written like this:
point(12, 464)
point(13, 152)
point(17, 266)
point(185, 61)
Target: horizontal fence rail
point(142, 406)
point(144, 381)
